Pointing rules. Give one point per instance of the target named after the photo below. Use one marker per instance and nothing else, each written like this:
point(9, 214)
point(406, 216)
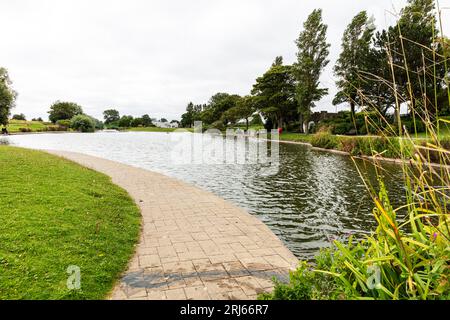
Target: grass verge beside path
point(54, 214)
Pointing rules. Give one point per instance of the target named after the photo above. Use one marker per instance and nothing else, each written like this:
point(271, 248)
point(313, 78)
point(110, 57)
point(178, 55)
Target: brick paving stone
point(193, 244)
point(175, 294)
point(197, 293)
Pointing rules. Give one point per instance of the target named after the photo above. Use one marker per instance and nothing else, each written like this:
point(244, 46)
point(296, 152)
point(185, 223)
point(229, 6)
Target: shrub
point(25, 130)
point(113, 127)
point(306, 284)
point(55, 128)
point(348, 145)
point(19, 117)
point(408, 124)
point(63, 123)
point(82, 123)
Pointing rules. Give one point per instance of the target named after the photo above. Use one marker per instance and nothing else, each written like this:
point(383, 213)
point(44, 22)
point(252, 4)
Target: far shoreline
point(307, 144)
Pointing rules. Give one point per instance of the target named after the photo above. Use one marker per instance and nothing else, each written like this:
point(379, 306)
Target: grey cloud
point(153, 57)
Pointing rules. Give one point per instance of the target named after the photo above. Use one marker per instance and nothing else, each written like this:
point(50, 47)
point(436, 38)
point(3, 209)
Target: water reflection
point(315, 196)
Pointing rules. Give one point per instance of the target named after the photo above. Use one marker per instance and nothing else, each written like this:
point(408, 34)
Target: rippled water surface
point(314, 197)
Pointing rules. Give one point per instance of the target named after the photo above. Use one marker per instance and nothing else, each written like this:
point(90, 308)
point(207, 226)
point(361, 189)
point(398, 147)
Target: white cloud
point(153, 57)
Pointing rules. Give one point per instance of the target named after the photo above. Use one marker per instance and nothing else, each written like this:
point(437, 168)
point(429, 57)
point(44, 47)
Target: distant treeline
point(377, 71)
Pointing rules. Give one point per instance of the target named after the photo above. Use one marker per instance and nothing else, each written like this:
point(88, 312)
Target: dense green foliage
point(274, 94)
point(312, 58)
point(353, 61)
point(111, 116)
point(7, 96)
point(82, 123)
point(64, 111)
point(55, 214)
point(113, 120)
point(20, 116)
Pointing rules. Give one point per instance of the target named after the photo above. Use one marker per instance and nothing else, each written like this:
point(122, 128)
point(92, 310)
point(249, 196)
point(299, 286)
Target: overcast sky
point(148, 56)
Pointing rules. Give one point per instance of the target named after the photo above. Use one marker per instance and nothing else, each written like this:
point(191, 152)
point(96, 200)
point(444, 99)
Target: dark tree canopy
point(20, 116)
point(146, 120)
point(275, 93)
point(125, 121)
point(244, 109)
point(111, 115)
point(64, 111)
point(353, 64)
point(217, 105)
point(404, 54)
point(7, 96)
point(312, 55)
point(191, 115)
point(83, 123)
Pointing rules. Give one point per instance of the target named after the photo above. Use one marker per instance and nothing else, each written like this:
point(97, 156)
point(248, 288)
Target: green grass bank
point(54, 214)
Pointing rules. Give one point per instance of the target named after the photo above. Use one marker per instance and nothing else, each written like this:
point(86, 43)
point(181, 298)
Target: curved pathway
point(193, 244)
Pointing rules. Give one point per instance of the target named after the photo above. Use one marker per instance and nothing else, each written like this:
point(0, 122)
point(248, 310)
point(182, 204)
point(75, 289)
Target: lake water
point(313, 198)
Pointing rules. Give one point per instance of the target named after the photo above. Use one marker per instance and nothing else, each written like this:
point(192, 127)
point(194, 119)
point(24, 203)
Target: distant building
point(174, 124)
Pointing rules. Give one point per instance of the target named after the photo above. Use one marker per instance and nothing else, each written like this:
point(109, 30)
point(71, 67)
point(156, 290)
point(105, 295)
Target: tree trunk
point(353, 115)
point(246, 122)
point(280, 124)
point(300, 120)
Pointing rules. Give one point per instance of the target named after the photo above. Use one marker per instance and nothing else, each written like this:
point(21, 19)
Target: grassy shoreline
point(55, 214)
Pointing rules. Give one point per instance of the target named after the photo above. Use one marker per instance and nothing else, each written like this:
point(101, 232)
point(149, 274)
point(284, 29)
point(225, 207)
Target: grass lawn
point(16, 125)
point(444, 132)
point(54, 214)
point(296, 137)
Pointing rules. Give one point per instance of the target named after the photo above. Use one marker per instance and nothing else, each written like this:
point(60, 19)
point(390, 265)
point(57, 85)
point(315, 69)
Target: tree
point(192, 114)
point(278, 61)
point(7, 96)
point(82, 123)
point(64, 111)
point(217, 105)
point(313, 51)
point(99, 125)
point(125, 121)
point(274, 93)
point(243, 110)
point(136, 122)
point(187, 117)
point(164, 120)
point(19, 117)
point(353, 63)
point(66, 124)
point(405, 55)
point(37, 119)
point(111, 116)
point(146, 121)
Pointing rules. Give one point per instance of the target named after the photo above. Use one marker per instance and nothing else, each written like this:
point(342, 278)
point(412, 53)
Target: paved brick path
point(193, 244)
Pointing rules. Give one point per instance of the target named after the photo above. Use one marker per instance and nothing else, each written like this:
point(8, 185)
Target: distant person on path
point(4, 131)
point(280, 130)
